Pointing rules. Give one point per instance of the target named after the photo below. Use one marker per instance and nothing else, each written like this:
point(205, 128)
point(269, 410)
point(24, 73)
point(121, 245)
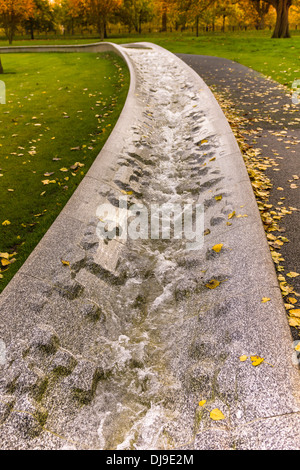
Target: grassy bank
point(59, 111)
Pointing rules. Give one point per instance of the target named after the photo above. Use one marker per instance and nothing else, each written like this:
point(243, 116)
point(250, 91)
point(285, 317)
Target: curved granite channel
point(116, 348)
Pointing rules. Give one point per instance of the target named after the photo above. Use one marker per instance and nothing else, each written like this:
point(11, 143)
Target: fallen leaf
point(295, 312)
point(218, 248)
point(293, 274)
point(65, 263)
point(243, 358)
point(212, 284)
point(265, 299)
point(256, 360)
point(216, 414)
point(202, 402)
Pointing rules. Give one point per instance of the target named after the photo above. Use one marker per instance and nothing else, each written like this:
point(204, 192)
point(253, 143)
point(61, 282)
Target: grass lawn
point(59, 111)
point(275, 58)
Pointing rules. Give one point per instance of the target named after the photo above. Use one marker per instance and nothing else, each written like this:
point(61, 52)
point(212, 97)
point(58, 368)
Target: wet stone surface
point(128, 337)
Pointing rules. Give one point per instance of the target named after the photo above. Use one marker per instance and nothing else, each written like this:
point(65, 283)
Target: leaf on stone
point(65, 263)
point(265, 299)
point(212, 284)
point(256, 360)
point(202, 402)
point(218, 248)
point(216, 414)
point(243, 358)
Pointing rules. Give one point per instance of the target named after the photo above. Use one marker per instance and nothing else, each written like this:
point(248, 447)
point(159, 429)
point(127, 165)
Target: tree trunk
point(1, 68)
point(197, 26)
point(164, 20)
point(224, 23)
point(282, 21)
point(31, 28)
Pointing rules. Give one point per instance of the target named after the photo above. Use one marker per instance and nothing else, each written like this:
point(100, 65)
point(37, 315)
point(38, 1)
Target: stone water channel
point(146, 352)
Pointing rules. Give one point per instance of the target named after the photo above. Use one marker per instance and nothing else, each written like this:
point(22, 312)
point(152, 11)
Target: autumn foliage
point(12, 13)
point(156, 15)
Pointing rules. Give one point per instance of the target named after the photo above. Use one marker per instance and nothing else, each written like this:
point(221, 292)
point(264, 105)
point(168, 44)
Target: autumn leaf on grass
point(48, 181)
point(5, 262)
point(6, 222)
point(216, 414)
point(218, 248)
point(212, 284)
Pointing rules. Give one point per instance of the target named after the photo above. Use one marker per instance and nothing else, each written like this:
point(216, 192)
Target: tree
point(282, 8)
point(1, 67)
point(41, 18)
point(12, 13)
point(99, 12)
point(133, 13)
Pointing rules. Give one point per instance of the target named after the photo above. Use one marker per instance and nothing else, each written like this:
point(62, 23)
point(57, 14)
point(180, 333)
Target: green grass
point(55, 103)
point(275, 58)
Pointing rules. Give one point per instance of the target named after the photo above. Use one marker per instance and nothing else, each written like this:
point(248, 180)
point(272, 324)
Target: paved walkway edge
point(273, 391)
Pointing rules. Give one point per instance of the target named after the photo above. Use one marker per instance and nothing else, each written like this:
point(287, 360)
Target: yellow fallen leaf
point(4, 255)
point(212, 284)
point(243, 358)
point(231, 215)
point(217, 248)
point(65, 263)
point(256, 360)
point(265, 299)
point(292, 300)
point(294, 321)
point(218, 198)
point(202, 402)
point(216, 414)
point(293, 274)
point(6, 222)
point(5, 262)
point(295, 312)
